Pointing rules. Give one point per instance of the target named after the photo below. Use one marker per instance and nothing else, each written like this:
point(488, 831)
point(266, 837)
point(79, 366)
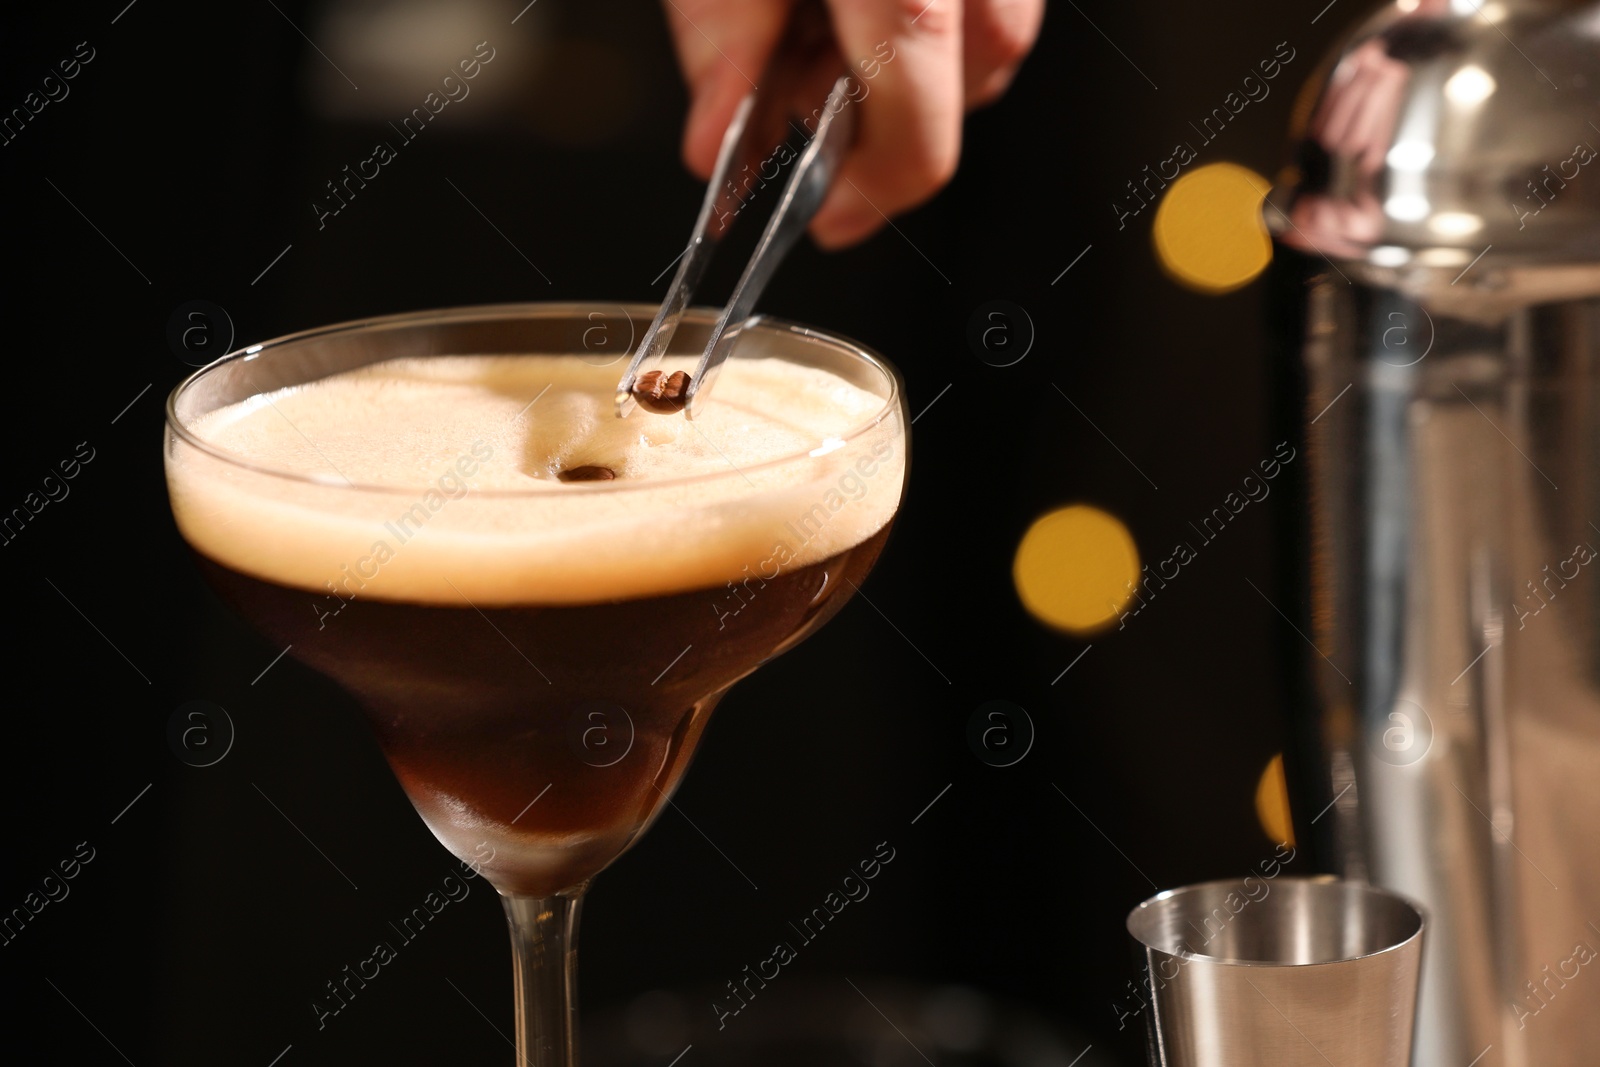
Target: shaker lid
point(1446, 130)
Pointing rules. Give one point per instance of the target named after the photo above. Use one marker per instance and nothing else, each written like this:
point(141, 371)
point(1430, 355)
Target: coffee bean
point(587, 474)
point(662, 393)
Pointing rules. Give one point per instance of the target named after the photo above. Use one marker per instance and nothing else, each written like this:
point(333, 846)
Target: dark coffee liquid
point(538, 741)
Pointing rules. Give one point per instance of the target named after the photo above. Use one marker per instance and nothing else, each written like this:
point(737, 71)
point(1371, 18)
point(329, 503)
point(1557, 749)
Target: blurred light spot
point(1455, 224)
point(1469, 86)
point(1410, 155)
point(1407, 207)
point(1208, 232)
point(1443, 257)
point(1076, 568)
point(1390, 256)
point(1407, 6)
point(1272, 803)
point(397, 51)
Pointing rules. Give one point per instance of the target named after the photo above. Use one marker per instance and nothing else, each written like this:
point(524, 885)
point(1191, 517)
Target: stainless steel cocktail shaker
point(1442, 221)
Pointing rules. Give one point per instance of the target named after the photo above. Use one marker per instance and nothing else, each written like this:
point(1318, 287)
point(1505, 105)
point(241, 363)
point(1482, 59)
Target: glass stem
point(544, 953)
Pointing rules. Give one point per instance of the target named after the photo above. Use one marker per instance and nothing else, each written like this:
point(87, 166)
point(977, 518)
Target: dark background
point(186, 158)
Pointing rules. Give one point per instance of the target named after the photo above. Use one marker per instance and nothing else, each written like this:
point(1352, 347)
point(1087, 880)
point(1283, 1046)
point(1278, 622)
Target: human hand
point(929, 63)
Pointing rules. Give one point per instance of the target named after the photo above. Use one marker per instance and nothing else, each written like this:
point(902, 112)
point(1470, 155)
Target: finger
point(723, 46)
point(1345, 97)
point(905, 58)
point(1336, 115)
point(1376, 131)
point(996, 36)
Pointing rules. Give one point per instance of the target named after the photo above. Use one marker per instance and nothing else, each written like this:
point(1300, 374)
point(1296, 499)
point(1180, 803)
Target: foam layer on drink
point(436, 481)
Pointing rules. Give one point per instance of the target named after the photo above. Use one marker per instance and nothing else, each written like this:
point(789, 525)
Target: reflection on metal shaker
point(1441, 225)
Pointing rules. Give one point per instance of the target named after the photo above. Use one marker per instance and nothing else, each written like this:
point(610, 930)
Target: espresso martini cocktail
point(537, 603)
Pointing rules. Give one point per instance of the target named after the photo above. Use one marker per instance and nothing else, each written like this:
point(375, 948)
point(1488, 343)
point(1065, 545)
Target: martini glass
point(538, 664)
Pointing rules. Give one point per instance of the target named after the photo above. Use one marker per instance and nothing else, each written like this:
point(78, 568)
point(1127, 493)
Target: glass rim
point(1138, 917)
point(758, 324)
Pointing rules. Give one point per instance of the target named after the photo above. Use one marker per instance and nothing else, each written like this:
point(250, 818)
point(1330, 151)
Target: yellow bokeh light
point(1272, 803)
point(1076, 568)
point(1208, 232)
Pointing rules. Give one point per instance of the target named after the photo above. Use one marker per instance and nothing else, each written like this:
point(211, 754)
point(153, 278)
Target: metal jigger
point(1439, 230)
point(1292, 972)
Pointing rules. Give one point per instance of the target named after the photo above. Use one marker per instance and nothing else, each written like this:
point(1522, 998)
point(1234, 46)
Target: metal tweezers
point(755, 142)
